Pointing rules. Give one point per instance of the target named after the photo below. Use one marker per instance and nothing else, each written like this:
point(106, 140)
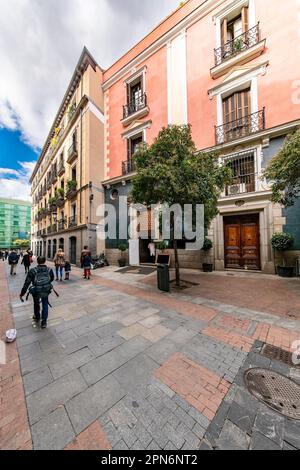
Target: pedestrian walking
point(39, 283)
point(59, 261)
point(67, 270)
point(26, 262)
point(13, 260)
point(87, 265)
point(6, 254)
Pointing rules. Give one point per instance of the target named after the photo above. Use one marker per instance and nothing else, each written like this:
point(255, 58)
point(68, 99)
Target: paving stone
point(53, 432)
point(33, 349)
point(121, 446)
point(151, 321)
point(292, 433)
point(182, 335)
point(182, 403)
point(188, 435)
point(232, 438)
point(57, 393)
point(162, 350)
point(105, 345)
point(156, 333)
point(261, 442)
point(132, 331)
point(198, 431)
point(241, 417)
point(36, 380)
point(100, 367)
point(199, 418)
point(135, 372)
point(131, 319)
point(108, 329)
point(153, 446)
point(122, 416)
point(270, 424)
point(138, 446)
point(133, 347)
point(185, 418)
point(111, 432)
point(170, 446)
point(89, 405)
point(205, 446)
point(142, 434)
point(80, 343)
point(71, 362)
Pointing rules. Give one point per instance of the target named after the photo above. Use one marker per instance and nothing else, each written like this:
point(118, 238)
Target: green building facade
point(15, 219)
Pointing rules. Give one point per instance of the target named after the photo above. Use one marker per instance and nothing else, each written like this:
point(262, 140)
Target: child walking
point(87, 265)
point(67, 270)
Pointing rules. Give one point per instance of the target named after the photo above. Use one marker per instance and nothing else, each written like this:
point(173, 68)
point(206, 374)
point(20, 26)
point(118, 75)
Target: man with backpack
point(13, 260)
point(39, 282)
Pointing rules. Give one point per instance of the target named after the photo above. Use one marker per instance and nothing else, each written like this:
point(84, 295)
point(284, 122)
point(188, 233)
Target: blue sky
point(40, 43)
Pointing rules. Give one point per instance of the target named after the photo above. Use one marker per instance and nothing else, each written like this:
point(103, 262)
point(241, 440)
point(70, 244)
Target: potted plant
point(238, 45)
point(207, 246)
point(162, 246)
point(282, 242)
point(60, 197)
point(122, 261)
point(52, 203)
point(71, 189)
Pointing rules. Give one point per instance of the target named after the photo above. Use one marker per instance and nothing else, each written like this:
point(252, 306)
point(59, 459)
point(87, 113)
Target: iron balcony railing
point(128, 167)
point(72, 152)
point(62, 224)
point(137, 104)
point(61, 168)
point(242, 127)
point(236, 46)
point(73, 221)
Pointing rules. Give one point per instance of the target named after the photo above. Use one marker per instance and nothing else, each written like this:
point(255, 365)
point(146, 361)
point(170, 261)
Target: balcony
point(73, 221)
point(128, 167)
point(243, 48)
point(62, 224)
point(39, 233)
point(137, 108)
point(242, 127)
point(61, 169)
point(72, 111)
point(52, 229)
point(44, 189)
point(72, 153)
point(54, 176)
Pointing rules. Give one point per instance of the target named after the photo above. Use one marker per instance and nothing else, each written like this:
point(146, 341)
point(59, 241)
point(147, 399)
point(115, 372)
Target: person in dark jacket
point(38, 281)
point(13, 260)
point(26, 262)
point(84, 252)
point(87, 265)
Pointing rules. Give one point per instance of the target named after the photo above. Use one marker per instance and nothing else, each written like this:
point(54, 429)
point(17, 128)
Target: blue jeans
point(37, 311)
point(59, 269)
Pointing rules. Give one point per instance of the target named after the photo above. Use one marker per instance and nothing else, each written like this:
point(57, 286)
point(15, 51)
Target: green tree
point(284, 171)
point(170, 171)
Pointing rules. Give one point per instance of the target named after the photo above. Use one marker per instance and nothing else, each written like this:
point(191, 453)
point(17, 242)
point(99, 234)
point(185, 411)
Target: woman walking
point(26, 261)
point(59, 261)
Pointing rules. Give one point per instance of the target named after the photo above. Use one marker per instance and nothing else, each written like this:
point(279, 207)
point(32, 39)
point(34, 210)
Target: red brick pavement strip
point(14, 426)
point(238, 341)
point(93, 438)
point(229, 322)
point(200, 387)
point(276, 336)
point(198, 312)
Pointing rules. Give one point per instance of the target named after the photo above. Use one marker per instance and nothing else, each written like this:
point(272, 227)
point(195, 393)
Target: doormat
point(144, 270)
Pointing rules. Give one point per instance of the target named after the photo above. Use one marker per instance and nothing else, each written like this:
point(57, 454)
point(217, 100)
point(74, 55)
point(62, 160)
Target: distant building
point(15, 218)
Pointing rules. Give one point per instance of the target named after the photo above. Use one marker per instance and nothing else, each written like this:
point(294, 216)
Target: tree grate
point(275, 391)
point(273, 352)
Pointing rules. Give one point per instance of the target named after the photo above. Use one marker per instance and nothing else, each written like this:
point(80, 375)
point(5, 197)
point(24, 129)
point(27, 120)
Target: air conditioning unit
point(236, 189)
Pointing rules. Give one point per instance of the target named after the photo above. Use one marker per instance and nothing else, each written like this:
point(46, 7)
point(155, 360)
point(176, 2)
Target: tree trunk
point(176, 264)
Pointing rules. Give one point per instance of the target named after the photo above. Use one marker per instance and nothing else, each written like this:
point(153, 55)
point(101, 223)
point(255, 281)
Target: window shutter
point(224, 32)
point(245, 20)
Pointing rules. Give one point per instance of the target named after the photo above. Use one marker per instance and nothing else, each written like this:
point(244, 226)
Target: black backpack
point(42, 286)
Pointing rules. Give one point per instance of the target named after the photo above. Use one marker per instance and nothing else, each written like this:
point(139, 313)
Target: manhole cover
point(273, 352)
point(274, 390)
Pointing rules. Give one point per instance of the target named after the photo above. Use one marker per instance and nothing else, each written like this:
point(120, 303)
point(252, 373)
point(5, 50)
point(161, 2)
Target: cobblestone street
point(123, 366)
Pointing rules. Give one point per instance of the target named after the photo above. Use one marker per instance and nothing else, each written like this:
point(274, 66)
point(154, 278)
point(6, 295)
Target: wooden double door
point(242, 242)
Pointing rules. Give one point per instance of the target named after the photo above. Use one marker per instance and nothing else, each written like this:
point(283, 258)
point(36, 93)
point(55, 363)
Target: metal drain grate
point(274, 390)
point(272, 352)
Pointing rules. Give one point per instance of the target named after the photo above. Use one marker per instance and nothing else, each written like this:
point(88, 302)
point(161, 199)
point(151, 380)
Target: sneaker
point(57, 279)
point(43, 325)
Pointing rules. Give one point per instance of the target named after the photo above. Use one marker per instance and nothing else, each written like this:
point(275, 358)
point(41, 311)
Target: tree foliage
point(284, 171)
point(170, 171)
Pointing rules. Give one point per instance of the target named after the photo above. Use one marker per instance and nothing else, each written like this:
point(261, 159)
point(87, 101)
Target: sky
point(40, 44)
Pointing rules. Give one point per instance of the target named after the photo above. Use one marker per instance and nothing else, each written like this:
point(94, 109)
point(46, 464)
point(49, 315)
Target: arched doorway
point(61, 244)
point(54, 248)
point(49, 250)
point(73, 243)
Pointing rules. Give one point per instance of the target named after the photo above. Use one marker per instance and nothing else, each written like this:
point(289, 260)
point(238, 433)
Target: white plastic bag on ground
point(11, 336)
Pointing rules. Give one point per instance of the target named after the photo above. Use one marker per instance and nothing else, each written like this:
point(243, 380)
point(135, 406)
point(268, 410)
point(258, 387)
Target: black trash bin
point(163, 277)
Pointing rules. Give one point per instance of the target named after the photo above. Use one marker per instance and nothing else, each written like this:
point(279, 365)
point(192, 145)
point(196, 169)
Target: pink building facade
point(230, 69)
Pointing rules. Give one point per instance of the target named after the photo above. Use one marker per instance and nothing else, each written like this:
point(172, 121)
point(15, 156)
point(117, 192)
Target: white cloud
point(14, 184)
point(40, 43)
